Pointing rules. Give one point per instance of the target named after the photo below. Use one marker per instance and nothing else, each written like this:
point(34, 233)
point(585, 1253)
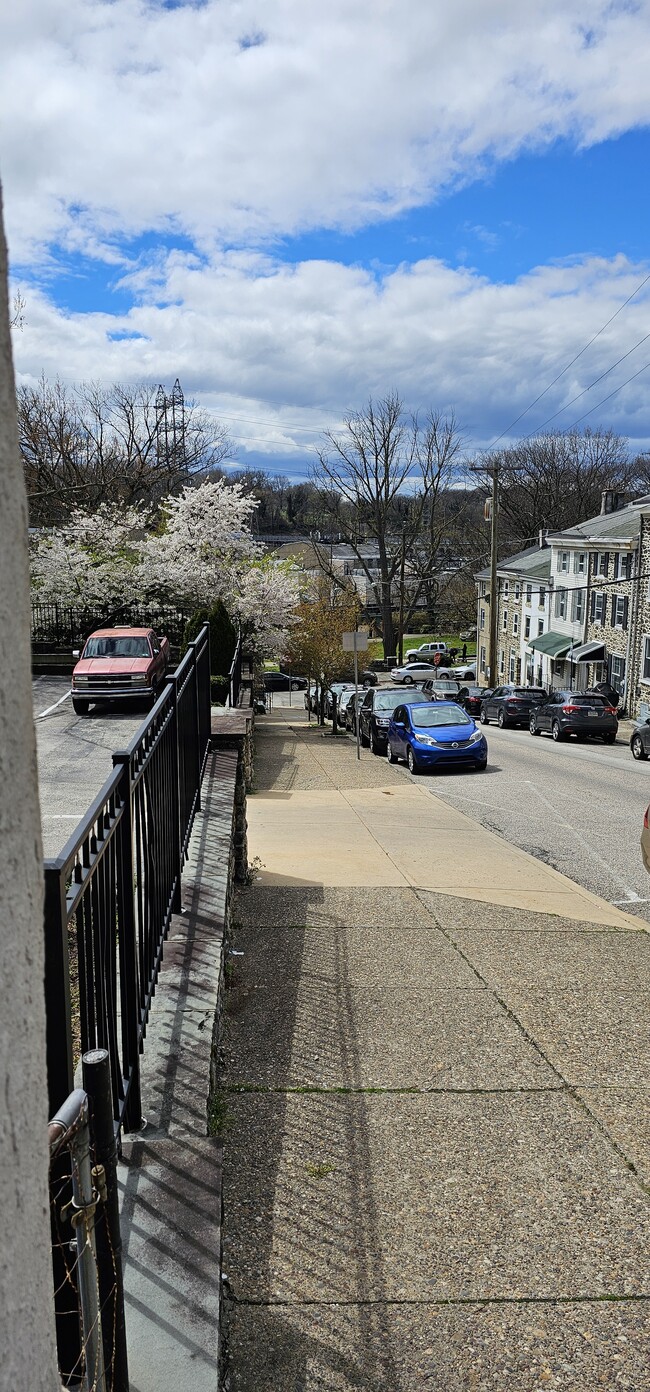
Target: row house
point(595, 622)
point(522, 616)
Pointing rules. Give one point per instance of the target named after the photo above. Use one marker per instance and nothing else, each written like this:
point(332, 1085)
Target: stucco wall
point(26, 1318)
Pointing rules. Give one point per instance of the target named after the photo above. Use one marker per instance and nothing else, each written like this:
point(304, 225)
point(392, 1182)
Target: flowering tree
point(203, 545)
point(265, 600)
point(93, 560)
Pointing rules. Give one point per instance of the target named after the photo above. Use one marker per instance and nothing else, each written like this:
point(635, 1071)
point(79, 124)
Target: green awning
point(553, 644)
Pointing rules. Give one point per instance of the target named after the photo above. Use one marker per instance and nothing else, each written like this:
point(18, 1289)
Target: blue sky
point(293, 217)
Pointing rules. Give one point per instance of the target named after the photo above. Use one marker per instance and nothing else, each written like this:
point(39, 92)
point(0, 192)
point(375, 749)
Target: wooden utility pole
point(494, 545)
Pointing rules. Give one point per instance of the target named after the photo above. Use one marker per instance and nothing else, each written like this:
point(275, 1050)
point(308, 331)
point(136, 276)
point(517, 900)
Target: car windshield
point(526, 691)
point(431, 716)
point(584, 699)
point(117, 647)
point(388, 700)
point(445, 686)
point(475, 691)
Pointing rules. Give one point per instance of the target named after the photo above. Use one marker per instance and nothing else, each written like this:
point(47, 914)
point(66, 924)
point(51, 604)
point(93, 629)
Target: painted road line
point(42, 714)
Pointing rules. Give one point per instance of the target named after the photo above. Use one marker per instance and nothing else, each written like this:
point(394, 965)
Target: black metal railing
point(110, 894)
point(66, 626)
point(234, 675)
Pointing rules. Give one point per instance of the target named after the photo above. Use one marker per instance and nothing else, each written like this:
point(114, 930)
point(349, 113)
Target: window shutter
point(626, 606)
point(606, 562)
point(614, 603)
point(592, 612)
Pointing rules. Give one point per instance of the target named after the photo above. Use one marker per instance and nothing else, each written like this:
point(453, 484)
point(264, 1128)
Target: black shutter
point(592, 613)
point(606, 560)
point(614, 603)
point(626, 606)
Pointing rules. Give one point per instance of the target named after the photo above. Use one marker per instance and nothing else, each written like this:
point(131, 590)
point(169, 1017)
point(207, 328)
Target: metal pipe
point(97, 1082)
point(82, 1218)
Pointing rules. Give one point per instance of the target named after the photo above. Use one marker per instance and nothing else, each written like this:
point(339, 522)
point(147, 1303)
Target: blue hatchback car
point(439, 735)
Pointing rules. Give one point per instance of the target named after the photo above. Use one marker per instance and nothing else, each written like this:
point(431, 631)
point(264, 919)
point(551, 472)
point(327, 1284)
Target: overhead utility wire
point(570, 364)
point(593, 384)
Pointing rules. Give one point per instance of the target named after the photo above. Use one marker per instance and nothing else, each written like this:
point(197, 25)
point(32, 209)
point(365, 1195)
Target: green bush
point(223, 636)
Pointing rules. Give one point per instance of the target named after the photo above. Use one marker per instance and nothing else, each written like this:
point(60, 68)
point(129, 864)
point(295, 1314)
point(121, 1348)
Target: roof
point(125, 631)
point(532, 564)
point(622, 525)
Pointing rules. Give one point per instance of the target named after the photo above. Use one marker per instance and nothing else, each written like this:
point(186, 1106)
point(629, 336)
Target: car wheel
point(501, 720)
point(638, 748)
point(373, 743)
point(480, 767)
point(411, 762)
point(556, 730)
point(364, 740)
point(609, 739)
point(408, 681)
point(484, 718)
point(80, 707)
point(392, 758)
point(533, 727)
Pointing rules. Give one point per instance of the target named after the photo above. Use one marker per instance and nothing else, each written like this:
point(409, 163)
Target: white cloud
point(284, 346)
point(232, 120)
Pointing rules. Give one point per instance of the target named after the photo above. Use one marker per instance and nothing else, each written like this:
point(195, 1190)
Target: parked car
point(439, 689)
point(437, 734)
point(640, 740)
point(119, 663)
point(426, 650)
point(375, 712)
point(352, 709)
point(471, 698)
point(511, 705)
point(575, 713)
point(413, 672)
point(336, 689)
point(466, 674)
point(281, 681)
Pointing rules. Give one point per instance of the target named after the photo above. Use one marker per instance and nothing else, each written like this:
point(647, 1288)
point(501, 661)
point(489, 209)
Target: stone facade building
point(522, 615)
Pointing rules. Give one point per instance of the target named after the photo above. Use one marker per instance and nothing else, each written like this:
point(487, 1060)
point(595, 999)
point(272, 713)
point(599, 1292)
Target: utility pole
point(400, 654)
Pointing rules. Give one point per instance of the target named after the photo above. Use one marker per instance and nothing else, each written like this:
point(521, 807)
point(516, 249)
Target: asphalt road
point(74, 756)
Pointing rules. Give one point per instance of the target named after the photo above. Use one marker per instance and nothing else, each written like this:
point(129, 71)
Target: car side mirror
point(76, 652)
point(399, 724)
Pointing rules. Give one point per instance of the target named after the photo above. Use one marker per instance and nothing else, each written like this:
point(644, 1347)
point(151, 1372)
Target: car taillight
point(645, 819)
point(610, 710)
point(570, 710)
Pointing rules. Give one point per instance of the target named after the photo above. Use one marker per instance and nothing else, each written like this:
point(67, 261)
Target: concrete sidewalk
point(437, 1136)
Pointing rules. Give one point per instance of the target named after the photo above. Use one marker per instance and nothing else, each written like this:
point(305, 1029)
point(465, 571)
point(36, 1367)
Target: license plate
point(591, 711)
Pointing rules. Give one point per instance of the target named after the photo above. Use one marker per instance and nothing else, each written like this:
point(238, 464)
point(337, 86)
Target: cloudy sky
point(291, 205)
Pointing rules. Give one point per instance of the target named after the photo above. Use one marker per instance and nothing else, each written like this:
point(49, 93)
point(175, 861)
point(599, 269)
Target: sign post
point(356, 642)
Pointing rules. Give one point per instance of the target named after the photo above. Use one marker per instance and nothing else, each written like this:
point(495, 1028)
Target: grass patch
point(415, 640)
point(320, 1169)
point(218, 1115)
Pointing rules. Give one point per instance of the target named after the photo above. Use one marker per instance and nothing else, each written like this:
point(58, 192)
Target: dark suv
point(375, 712)
point(510, 705)
point(575, 713)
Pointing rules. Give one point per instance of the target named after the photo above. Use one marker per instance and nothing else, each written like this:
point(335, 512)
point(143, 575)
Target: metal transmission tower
point(170, 429)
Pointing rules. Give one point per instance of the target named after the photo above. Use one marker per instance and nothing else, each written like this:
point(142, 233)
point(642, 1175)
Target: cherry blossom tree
point(93, 560)
point(265, 601)
point(203, 542)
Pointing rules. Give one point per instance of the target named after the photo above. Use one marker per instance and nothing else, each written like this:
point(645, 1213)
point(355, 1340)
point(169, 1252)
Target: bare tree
point(556, 480)
point(382, 479)
point(86, 444)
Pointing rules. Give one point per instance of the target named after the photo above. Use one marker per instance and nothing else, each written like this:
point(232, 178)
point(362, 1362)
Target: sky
point(293, 206)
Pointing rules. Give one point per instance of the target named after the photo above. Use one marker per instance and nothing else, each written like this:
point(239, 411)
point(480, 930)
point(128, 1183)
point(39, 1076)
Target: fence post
point(58, 1028)
point(129, 964)
point(108, 1239)
point(82, 1217)
point(197, 727)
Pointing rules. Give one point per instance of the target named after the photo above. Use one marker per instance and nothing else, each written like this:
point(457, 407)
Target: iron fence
point(66, 626)
point(110, 894)
point(235, 674)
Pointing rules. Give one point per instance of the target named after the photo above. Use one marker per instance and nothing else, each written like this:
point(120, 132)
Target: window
point(560, 604)
point(619, 611)
point(542, 597)
point(602, 563)
point(517, 590)
point(502, 662)
point(482, 659)
point(645, 674)
point(597, 608)
point(529, 594)
point(482, 619)
point(563, 562)
point(505, 620)
point(527, 626)
point(511, 667)
point(617, 673)
point(515, 623)
point(482, 588)
point(506, 589)
point(540, 627)
point(579, 562)
point(622, 567)
point(577, 605)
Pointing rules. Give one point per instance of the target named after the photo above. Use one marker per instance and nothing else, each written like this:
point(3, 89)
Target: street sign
point(356, 641)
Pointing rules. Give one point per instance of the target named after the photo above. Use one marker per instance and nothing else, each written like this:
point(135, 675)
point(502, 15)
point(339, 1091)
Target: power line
point(594, 383)
point(569, 364)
